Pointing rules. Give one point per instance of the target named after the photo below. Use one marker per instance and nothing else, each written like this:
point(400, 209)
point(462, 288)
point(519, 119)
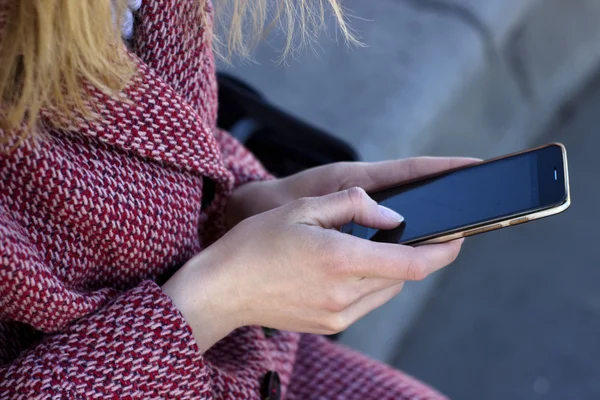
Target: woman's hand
point(287, 269)
point(256, 197)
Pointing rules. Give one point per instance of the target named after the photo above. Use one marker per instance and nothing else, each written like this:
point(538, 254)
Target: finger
point(368, 259)
point(370, 302)
point(380, 175)
point(340, 208)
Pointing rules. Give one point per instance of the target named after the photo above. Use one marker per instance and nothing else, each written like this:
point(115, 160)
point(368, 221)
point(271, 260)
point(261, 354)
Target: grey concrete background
point(518, 315)
point(443, 77)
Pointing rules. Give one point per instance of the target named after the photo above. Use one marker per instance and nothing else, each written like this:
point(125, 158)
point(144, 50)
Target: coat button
point(269, 332)
point(271, 387)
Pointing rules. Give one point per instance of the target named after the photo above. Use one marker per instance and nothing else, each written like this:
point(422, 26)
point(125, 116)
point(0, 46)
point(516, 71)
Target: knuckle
point(416, 269)
point(357, 195)
point(339, 169)
point(336, 300)
point(304, 206)
point(336, 323)
point(302, 203)
point(350, 174)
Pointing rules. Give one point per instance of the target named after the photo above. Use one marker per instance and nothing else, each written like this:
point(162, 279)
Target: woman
point(114, 177)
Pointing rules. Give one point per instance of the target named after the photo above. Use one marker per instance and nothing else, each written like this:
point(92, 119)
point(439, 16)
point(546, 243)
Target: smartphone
point(467, 201)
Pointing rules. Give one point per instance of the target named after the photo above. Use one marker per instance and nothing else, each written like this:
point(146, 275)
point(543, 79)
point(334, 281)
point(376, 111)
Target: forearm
point(206, 306)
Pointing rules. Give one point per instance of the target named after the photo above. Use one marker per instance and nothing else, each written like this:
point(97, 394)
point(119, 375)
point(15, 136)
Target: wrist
point(194, 290)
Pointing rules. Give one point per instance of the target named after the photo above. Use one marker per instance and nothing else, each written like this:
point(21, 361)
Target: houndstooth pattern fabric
point(93, 214)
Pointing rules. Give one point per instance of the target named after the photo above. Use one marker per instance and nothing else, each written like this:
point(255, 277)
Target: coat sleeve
point(133, 342)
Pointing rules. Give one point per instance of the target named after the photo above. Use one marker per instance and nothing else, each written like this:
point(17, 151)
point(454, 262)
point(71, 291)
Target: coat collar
point(152, 121)
point(167, 112)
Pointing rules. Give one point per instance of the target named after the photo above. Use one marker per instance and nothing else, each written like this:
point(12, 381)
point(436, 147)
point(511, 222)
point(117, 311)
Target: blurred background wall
point(517, 316)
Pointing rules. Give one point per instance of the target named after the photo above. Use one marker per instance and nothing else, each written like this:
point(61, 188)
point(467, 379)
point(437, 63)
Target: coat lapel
point(167, 112)
point(171, 38)
point(152, 121)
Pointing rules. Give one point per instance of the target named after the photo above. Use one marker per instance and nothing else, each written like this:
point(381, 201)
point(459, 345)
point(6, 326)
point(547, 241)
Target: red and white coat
point(93, 215)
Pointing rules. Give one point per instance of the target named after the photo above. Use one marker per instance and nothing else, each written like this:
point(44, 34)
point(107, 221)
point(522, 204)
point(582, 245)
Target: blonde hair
point(242, 24)
point(50, 49)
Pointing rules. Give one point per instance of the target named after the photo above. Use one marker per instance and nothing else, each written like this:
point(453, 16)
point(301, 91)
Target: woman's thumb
point(351, 205)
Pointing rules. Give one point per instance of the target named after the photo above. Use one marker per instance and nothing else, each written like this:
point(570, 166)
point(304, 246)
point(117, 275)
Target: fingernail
point(390, 214)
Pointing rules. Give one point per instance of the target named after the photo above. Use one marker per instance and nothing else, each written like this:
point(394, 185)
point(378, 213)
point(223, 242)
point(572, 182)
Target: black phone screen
point(475, 195)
